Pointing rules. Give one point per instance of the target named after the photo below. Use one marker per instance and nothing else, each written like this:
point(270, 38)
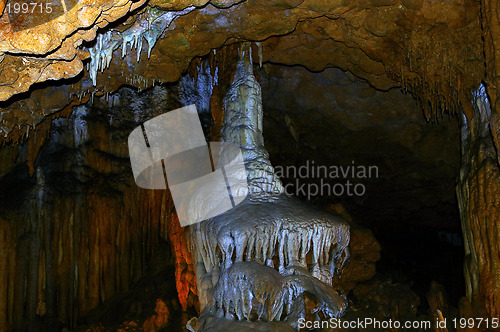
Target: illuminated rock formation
point(374, 41)
point(272, 247)
point(437, 51)
point(479, 201)
point(80, 232)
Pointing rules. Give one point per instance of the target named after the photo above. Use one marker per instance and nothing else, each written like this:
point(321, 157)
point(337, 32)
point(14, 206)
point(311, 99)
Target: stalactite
point(74, 247)
point(259, 52)
point(149, 26)
point(217, 114)
point(442, 90)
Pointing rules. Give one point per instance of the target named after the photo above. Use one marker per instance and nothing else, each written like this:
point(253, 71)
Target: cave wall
point(480, 209)
point(79, 231)
point(479, 201)
point(433, 49)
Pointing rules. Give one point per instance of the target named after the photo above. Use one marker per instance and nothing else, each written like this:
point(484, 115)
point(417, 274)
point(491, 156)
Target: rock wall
point(432, 49)
point(80, 231)
point(478, 194)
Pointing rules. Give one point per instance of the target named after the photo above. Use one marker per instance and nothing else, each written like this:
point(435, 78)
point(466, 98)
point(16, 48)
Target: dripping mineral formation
point(410, 86)
point(258, 260)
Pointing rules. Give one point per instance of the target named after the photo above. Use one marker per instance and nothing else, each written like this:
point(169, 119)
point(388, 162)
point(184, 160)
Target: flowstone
point(270, 260)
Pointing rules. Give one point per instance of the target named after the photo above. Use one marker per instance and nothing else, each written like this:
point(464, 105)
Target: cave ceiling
point(433, 49)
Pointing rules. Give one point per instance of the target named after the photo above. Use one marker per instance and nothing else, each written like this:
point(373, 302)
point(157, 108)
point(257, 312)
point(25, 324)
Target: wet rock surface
point(79, 232)
point(356, 39)
point(433, 49)
point(478, 194)
point(365, 252)
point(438, 51)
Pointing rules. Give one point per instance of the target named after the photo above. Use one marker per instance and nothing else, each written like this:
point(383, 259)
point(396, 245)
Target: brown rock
point(158, 320)
point(380, 41)
point(365, 252)
point(478, 194)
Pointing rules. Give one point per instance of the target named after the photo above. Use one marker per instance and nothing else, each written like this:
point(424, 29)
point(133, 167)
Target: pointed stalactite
point(441, 81)
point(193, 69)
point(35, 144)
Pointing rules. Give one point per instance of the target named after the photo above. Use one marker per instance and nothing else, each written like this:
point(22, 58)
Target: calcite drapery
point(478, 193)
point(258, 259)
point(82, 232)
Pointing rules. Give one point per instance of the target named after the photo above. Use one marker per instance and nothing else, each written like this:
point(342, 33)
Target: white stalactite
point(149, 25)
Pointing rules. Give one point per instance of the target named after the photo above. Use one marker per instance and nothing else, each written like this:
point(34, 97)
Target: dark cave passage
point(336, 120)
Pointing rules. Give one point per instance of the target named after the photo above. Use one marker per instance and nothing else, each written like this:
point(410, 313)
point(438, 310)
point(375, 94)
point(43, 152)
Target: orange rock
point(159, 320)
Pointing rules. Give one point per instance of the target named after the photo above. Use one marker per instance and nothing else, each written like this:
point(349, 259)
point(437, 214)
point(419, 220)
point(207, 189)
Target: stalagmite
point(235, 252)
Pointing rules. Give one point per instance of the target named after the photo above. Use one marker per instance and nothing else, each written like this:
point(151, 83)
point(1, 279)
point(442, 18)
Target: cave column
point(491, 31)
point(478, 193)
point(478, 190)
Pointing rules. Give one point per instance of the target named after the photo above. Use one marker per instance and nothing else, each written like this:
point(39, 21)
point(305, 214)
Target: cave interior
point(370, 132)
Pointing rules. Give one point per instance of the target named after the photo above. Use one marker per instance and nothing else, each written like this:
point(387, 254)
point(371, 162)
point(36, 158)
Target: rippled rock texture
point(79, 232)
point(432, 49)
point(440, 51)
point(258, 260)
point(478, 194)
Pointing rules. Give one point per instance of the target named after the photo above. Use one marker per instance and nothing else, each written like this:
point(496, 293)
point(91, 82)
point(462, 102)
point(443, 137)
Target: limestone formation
point(479, 201)
point(444, 54)
point(437, 57)
point(252, 261)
